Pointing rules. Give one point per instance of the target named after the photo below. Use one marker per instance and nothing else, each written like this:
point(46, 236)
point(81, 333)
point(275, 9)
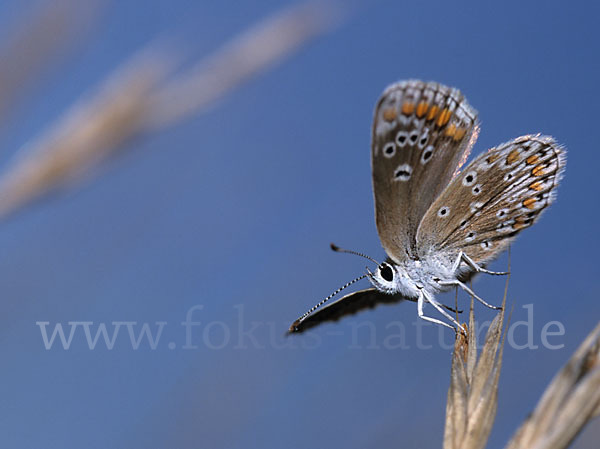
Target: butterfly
point(438, 225)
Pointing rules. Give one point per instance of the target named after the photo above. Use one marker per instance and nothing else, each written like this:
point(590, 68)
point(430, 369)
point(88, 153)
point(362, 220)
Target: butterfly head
point(386, 277)
point(392, 278)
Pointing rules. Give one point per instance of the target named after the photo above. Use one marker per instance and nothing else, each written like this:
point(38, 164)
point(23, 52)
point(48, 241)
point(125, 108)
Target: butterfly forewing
point(496, 196)
point(422, 132)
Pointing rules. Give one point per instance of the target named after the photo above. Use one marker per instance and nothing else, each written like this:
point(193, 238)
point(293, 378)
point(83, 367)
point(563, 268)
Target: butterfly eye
point(386, 272)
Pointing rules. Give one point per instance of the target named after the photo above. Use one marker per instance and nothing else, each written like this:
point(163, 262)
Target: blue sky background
point(234, 209)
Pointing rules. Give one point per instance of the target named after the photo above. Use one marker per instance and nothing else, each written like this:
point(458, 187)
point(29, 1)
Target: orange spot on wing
point(520, 225)
point(512, 157)
point(533, 159)
point(492, 158)
point(529, 203)
point(451, 130)
point(433, 112)
point(460, 133)
point(538, 170)
point(408, 108)
point(389, 114)
point(444, 117)
point(537, 186)
point(422, 108)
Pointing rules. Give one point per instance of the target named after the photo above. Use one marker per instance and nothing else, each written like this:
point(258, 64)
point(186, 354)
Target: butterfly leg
point(470, 262)
point(457, 283)
point(434, 303)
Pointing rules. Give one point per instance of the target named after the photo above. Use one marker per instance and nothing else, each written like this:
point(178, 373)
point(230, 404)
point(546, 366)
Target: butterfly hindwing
point(347, 305)
point(422, 132)
point(496, 196)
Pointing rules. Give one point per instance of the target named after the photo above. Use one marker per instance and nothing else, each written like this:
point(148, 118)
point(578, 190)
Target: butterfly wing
point(347, 305)
point(421, 133)
point(496, 196)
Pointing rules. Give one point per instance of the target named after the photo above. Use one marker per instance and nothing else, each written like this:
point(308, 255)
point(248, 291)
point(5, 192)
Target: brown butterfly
point(438, 226)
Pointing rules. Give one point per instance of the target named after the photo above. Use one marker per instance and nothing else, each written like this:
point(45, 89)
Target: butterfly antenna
point(316, 306)
point(337, 249)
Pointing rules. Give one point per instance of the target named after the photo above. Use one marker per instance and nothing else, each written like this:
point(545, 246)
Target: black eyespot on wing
point(386, 273)
point(403, 172)
point(427, 155)
point(470, 178)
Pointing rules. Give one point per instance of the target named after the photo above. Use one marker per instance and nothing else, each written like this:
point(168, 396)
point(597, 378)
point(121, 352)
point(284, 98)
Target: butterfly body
point(409, 278)
point(438, 225)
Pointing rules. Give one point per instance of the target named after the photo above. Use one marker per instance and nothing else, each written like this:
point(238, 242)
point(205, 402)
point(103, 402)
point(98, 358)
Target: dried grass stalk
point(86, 135)
point(250, 53)
point(38, 39)
point(473, 393)
point(571, 400)
point(138, 100)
